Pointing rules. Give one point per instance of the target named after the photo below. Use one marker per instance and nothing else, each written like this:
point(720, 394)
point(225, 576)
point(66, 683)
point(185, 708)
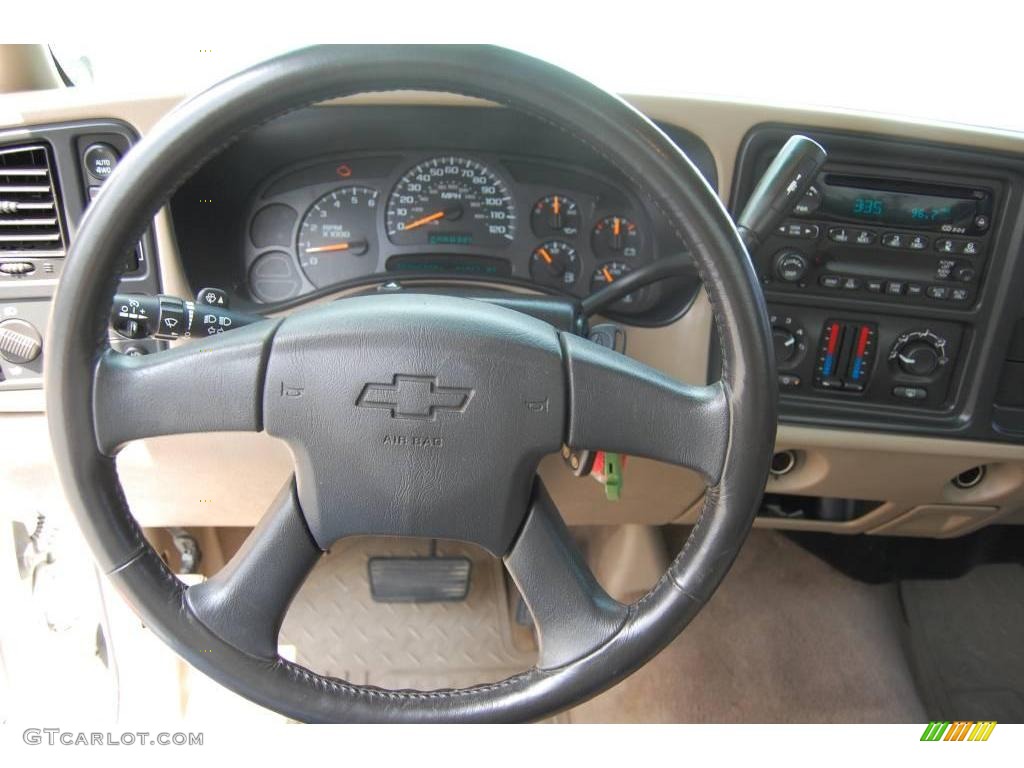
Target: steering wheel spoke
point(245, 602)
point(619, 404)
point(572, 612)
point(212, 384)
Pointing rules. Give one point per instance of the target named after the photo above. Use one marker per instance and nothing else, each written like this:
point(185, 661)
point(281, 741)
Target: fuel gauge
point(555, 263)
point(555, 215)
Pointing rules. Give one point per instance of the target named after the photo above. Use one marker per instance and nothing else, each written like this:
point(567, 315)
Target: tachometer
point(451, 201)
point(336, 237)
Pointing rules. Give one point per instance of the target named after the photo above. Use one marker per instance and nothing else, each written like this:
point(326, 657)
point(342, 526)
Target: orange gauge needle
point(617, 226)
point(425, 220)
point(607, 275)
point(556, 206)
point(324, 248)
point(545, 255)
point(358, 247)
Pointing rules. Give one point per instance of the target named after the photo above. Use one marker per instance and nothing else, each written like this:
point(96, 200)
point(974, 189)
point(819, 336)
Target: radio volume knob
point(20, 342)
point(791, 266)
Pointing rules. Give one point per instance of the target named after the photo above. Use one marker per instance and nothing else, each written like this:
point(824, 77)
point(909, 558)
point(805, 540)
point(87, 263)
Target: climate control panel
point(882, 359)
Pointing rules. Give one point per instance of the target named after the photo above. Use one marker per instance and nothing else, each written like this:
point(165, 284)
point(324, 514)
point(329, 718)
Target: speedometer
point(451, 201)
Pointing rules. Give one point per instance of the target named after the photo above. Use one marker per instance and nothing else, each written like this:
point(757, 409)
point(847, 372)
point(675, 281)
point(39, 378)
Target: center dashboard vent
point(29, 217)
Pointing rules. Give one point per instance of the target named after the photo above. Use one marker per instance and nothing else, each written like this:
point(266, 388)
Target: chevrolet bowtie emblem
point(414, 397)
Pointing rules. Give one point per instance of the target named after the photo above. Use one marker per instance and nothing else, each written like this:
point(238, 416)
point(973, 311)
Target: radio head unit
point(896, 240)
point(898, 203)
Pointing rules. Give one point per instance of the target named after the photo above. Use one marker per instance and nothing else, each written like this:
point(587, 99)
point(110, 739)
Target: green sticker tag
point(612, 476)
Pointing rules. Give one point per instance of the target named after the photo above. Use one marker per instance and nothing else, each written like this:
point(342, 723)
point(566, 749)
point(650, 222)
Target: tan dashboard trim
point(27, 67)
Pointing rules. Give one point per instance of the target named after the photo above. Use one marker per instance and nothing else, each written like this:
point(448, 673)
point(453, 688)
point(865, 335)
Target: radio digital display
point(897, 209)
point(843, 199)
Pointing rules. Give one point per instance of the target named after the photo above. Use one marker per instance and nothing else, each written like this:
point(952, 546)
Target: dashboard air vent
point(29, 218)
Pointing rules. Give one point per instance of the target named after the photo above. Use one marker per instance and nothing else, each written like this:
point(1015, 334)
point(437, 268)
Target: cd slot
point(903, 186)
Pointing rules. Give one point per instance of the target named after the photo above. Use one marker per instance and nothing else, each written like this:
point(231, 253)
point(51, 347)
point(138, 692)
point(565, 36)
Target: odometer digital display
point(447, 264)
point(451, 201)
point(450, 238)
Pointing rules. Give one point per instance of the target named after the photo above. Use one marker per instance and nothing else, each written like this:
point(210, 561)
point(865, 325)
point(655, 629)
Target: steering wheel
point(410, 415)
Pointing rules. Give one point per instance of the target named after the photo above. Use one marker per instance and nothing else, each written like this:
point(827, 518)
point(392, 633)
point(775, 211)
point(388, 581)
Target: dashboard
point(446, 195)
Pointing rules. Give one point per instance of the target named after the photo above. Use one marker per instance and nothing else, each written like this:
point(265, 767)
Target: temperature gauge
point(555, 263)
point(615, 237)
point(555, 215)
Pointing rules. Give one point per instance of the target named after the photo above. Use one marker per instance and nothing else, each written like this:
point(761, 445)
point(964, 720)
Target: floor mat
point(339, 630)
point(786, 638)
point(967, 636)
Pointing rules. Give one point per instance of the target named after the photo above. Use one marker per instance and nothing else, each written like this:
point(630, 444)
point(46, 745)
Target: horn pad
point(415, 415)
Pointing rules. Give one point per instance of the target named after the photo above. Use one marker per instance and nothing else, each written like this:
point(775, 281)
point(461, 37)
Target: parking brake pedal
point(430, 579)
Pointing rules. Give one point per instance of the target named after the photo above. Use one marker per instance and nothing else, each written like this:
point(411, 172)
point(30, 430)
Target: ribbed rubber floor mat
point(338, 629)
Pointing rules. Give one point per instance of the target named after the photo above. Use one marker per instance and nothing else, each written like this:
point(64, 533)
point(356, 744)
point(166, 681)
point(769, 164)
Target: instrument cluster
point(363, 218)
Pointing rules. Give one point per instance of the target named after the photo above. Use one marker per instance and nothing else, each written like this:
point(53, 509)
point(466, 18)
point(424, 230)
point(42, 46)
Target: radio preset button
point(947, 245)
point(851, 283)
point(971, 248)
point(839, 235)
point(959, 294)
point(864, 237)
point(894, 240)
point(918, 243)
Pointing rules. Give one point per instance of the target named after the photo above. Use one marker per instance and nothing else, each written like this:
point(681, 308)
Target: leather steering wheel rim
point(79, 372)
